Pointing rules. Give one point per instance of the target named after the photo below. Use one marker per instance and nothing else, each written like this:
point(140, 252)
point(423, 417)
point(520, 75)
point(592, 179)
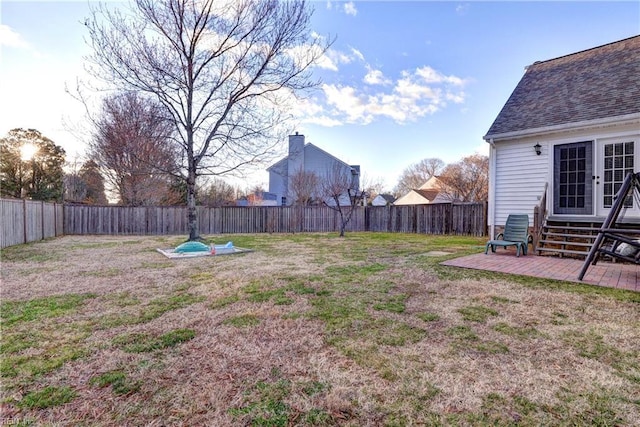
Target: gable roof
point(417, 197)
point(387, 197)
point(428, 194)
point(282, 162)
point(597, 83)
point(432, 183)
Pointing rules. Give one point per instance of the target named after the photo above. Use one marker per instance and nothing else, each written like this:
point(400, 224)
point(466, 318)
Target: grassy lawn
point(308, 330)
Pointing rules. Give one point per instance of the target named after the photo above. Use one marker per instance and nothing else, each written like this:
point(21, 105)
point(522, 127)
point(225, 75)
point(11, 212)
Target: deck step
point(574, 228)
point(562, 251)
point(567, 239)
point(585, 236)
point(571, 239)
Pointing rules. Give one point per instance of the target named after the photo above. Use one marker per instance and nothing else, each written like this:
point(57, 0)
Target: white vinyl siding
point(319, 162)
point(276, 185)
point(520, 178)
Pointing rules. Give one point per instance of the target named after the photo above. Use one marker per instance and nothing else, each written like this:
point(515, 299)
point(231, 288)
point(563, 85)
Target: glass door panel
point(617, 160)
point(573, 183)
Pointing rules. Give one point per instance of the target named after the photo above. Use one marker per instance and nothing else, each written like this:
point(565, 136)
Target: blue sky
point(403, 81)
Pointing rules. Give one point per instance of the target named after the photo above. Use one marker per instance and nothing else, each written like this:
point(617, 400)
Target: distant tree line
point(129, 163)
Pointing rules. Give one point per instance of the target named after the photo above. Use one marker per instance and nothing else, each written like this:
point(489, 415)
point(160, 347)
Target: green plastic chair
point(516, 233)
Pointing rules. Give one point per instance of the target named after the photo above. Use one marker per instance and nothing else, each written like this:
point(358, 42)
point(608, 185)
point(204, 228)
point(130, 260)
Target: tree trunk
point(342, 222)
point(191, 207)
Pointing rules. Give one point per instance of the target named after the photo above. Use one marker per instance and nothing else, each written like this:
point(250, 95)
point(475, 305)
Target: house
point(308, 159)
point(258, 198)
point(382, 200)
point(567, 137)
point(429, 192)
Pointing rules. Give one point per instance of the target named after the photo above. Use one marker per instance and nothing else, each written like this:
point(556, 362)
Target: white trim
point(491, 216)
point(581, 126)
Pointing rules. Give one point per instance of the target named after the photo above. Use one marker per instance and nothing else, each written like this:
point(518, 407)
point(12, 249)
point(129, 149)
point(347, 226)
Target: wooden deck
point(613, 275)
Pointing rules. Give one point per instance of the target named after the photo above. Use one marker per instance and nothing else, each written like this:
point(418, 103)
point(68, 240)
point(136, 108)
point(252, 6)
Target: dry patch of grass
point(308, 330)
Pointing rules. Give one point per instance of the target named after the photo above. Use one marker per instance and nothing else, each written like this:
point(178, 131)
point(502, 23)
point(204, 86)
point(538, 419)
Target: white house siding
point(520, 176)
point(277, 185)
point(318, 161)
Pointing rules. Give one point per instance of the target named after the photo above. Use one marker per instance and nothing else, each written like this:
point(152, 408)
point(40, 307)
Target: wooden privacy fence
point(441, 218)
point(24, 221)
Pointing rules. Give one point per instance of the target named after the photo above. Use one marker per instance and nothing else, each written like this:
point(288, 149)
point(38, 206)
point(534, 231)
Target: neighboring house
point(306, 158)
point(261, 198)
point(429, 192)
point(571, 126)
point(382, 200)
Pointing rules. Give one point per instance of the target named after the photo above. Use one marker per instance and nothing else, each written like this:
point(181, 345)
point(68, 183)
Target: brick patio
point(614, 275)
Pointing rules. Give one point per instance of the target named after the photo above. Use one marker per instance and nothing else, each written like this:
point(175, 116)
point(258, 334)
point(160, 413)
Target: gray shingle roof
point(593, 84)
point(428, 194)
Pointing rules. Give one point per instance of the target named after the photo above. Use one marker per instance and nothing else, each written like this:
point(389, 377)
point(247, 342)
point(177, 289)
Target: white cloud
point(10, 38)
point(347, 101)
point(375, 77)
point(413, 95)
point(357, 54)
point(333, 58)
point(350, 8)
point(310, 110)
point(323, 120)
point(456, 98)
point(462, 9)
point(429, 75)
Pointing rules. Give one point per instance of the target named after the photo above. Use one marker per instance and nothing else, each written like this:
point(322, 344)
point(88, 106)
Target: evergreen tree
point(31, 166)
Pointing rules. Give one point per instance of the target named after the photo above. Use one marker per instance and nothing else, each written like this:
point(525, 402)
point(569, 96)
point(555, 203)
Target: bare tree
point(255, 195)
point(217, 193)
point(90, 174)
point(340, 191)
point(304, 187)
point(84, 184)
point(417, 174)
point(221, 69)
point(132, 146)
point(75, 189)
point(467, 180)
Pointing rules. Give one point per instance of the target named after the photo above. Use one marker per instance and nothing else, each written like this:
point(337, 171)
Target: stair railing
point(540, 216)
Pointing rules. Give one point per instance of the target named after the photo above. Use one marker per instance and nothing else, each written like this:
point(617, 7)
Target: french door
point(617, 158)
point(573, 178)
